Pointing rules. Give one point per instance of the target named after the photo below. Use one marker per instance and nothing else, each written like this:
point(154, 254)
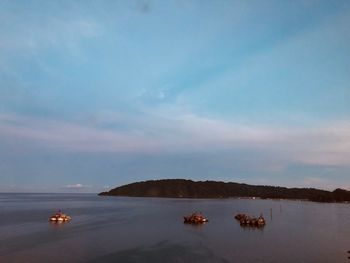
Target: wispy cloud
point(324, 144)
point(55, 28)
point(70, 136)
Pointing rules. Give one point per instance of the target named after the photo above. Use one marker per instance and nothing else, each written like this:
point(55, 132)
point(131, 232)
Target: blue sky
point(94, 94)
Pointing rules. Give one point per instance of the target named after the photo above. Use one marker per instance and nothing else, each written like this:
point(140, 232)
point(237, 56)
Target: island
point(181, 188)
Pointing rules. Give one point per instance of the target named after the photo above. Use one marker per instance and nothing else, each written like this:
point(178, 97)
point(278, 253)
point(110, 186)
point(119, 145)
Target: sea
point(126, 229)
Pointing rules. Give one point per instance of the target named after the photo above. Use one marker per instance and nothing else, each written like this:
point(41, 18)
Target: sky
point(96, 94)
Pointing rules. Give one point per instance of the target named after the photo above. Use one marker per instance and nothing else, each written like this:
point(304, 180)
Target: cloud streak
point(324, 144)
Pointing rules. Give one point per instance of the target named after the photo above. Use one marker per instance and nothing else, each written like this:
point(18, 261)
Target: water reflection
point(57, 224)
point(162, 252)
point(108, 229)
point(198, 226)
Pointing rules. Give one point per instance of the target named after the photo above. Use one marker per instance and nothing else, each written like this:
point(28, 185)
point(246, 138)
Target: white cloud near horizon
point(77, 186)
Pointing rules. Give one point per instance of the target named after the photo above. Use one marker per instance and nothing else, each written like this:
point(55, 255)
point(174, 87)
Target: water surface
point(121, 229)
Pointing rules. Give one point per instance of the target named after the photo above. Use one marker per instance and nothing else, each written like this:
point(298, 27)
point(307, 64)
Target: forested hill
point(180, 188)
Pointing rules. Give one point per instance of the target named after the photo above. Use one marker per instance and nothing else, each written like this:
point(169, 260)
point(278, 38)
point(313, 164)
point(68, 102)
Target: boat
point(59, 217)
point(246, 220)
point(195, 218)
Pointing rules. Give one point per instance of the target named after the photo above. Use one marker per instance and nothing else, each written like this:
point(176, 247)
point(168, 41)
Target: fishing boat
point(195, 218)
point(246, 220)
point(59, 217)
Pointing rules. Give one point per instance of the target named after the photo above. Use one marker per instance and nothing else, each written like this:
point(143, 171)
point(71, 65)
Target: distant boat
point(195, 218)
point(246, 220)
point(59, 217)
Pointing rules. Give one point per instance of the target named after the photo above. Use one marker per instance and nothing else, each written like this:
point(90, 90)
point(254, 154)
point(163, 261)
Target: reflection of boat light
point(59, 217)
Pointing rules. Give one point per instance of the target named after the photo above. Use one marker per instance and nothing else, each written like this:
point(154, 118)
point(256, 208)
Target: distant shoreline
point(227, 198)
point(181, 188)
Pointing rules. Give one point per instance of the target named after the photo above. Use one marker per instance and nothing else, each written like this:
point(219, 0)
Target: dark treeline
point(179, 188)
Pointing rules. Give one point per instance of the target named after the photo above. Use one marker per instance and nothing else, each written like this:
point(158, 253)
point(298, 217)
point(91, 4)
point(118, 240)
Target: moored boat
point(195, 218)
point(246, 220)
point(59, 217)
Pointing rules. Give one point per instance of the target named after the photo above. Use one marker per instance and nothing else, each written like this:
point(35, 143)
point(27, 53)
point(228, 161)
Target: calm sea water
point(118, 229)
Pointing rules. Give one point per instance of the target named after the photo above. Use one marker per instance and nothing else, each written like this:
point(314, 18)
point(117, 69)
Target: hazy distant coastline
point(181, 188)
